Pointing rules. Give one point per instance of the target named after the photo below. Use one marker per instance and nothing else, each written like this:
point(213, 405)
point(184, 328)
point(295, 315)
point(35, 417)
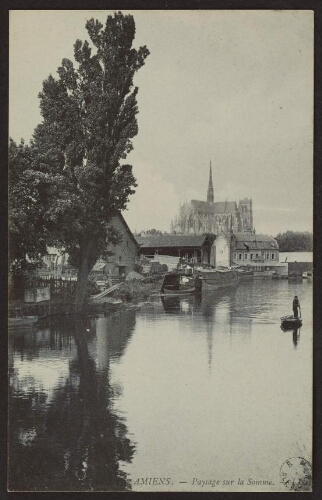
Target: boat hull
point(177, 284)
point(290, 323)
point(180, 291)
point(217, 280)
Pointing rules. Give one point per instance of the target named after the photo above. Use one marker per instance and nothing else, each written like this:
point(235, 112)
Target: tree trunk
point(83, 272)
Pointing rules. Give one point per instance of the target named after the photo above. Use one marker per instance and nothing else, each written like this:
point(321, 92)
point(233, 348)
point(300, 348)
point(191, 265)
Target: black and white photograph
point(160, 285)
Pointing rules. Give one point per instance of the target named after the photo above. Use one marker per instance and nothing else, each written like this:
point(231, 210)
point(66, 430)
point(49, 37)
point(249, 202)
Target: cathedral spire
point(210, 192)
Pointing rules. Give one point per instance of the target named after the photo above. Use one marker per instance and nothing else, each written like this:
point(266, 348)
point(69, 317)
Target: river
point(193, 394)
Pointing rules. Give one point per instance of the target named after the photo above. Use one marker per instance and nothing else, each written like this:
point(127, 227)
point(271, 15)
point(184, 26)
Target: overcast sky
point(233, 86)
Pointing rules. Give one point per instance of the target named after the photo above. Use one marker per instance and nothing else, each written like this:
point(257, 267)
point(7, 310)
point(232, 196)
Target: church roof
point(172, 240)
point(217, 207)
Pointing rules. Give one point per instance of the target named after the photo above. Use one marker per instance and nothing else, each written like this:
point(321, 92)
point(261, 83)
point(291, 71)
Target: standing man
point(296, 306)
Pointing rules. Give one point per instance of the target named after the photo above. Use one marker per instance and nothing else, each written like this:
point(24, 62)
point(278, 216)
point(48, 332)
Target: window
point(240, 256)
point(235, 256)
point(246, 256)
point(267, 256)
point(257, 255)
point(273, 256)
point(251, 256)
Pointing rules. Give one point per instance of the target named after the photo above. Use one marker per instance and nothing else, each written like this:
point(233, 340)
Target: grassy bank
point(139, 289)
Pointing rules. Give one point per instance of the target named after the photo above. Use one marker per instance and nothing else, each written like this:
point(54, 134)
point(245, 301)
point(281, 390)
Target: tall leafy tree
point(89, 118)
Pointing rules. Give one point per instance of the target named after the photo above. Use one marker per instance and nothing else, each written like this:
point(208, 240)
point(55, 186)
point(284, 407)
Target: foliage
point(294, 241)
point(28, 228)
point(153, 232)
point(140, 289)
point(30, 193)
point(133, 290)
point(89, 118)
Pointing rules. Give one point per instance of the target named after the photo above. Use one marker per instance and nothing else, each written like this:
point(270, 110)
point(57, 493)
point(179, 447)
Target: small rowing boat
point(290, 322)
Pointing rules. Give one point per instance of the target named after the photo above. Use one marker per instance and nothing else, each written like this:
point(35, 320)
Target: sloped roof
point(254, 241)
point(216, 207)
point(120, 216)
point(99, 266)
point(172, 240)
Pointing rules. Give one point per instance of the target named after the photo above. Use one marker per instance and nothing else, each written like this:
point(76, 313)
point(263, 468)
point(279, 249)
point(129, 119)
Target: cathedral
point(216, 217)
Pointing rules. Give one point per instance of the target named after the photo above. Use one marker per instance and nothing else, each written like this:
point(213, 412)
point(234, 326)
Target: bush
point(133, 290)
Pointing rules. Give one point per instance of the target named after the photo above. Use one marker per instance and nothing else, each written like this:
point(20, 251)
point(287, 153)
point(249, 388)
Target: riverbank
point(128, 291)
point(139, 289)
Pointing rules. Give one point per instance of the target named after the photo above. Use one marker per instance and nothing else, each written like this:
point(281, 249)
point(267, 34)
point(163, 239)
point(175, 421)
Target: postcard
point(160, 250)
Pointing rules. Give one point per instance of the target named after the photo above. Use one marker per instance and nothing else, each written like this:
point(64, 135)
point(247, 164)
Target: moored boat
point(215, 279)
point(245, 273)
point(177, 284)
point(22, 321)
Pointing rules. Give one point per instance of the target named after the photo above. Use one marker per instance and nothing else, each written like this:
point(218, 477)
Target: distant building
point(216, 217)
point(192, 248)
point(55, 263)
point(256, 250)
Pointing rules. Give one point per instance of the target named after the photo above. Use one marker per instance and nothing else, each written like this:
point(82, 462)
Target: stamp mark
point(296, 474)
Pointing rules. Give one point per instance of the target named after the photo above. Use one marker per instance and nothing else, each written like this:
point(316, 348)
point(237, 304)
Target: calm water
point(174, 395)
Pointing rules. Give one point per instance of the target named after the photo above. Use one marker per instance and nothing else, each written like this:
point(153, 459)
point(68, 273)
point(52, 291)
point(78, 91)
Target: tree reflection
point(74, 442)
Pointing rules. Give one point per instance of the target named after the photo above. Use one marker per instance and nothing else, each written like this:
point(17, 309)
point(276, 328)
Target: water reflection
point(295, 334)
point(178, 305)
point(296, 337)
point(98, 402)
point(64, 432)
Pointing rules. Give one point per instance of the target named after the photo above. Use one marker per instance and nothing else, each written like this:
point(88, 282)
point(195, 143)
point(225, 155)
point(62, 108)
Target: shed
point(191, 248)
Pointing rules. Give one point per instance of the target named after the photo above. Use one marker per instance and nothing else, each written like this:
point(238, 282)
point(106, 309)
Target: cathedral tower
point(245, 207)
point(210, 192)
